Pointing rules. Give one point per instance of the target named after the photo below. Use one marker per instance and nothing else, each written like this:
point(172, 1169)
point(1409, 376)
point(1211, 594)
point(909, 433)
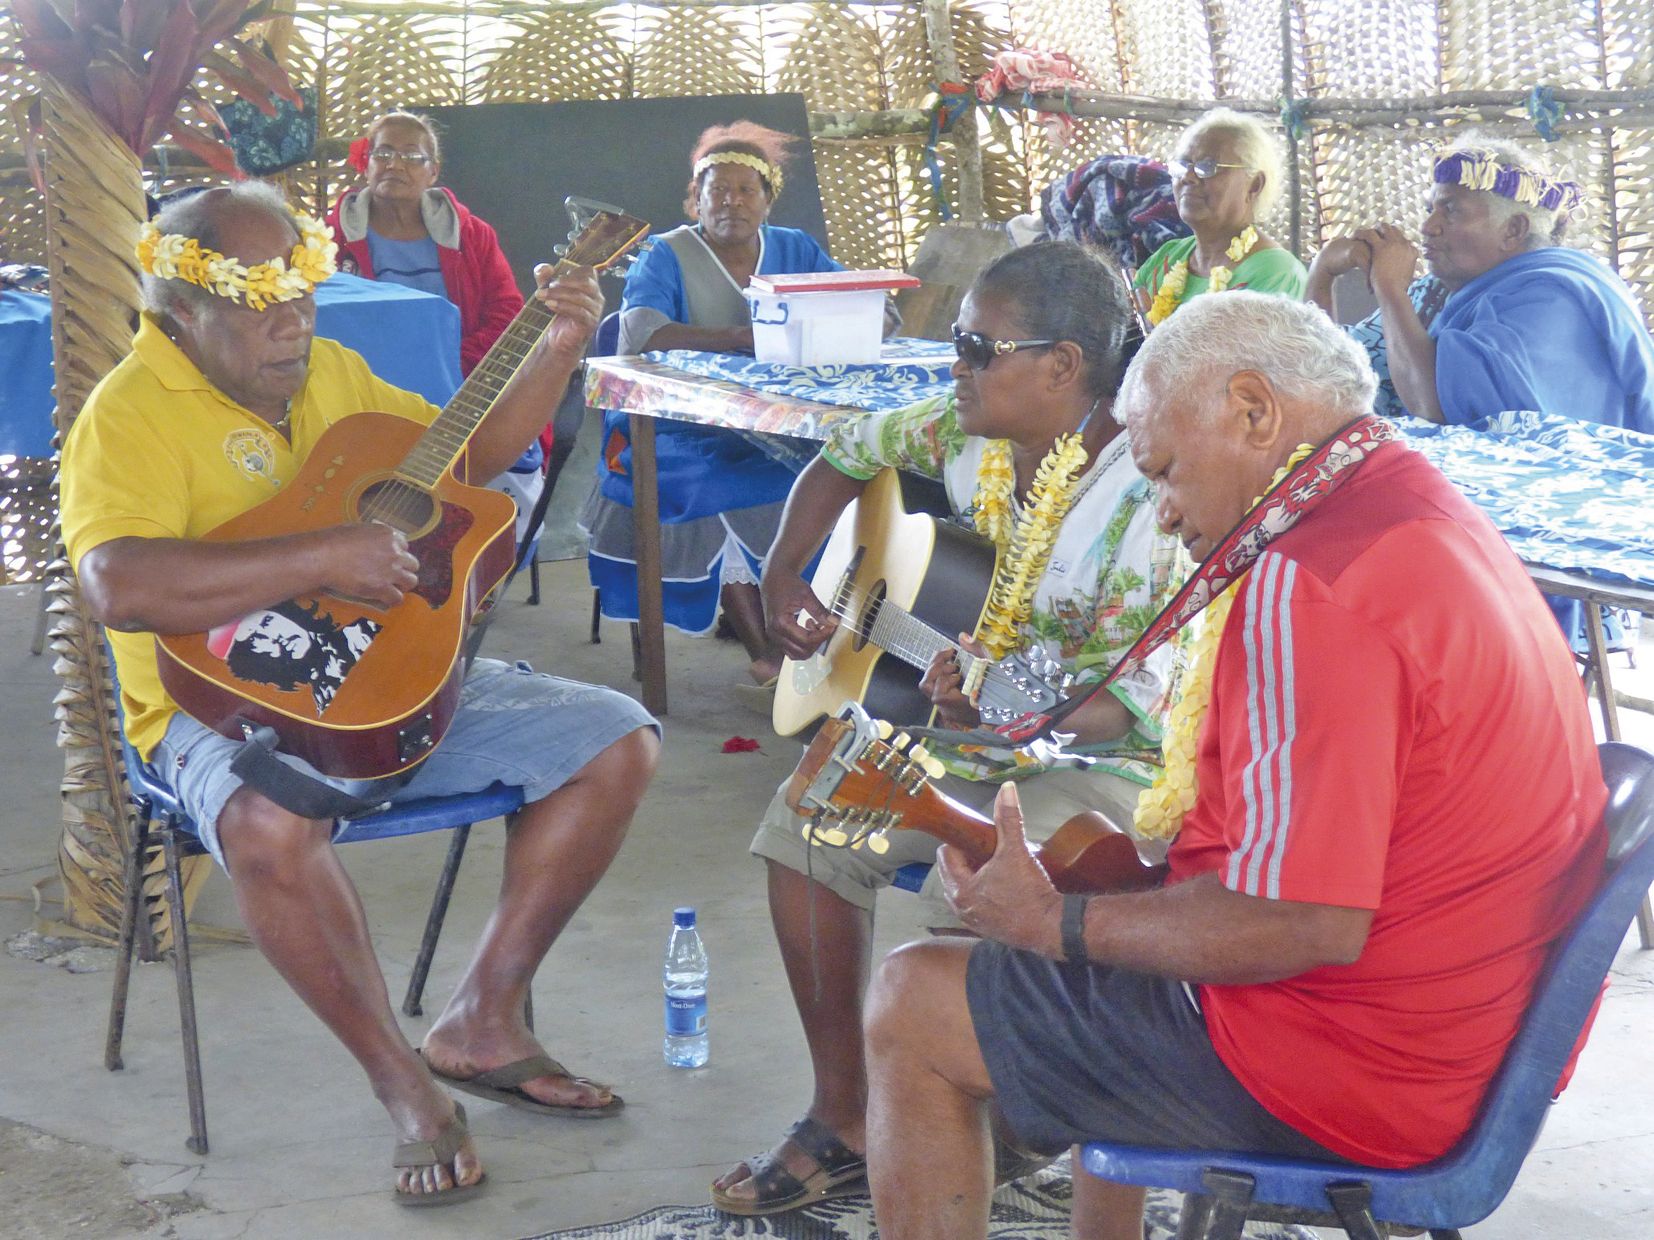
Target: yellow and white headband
point(757, 163)
point(173, 256)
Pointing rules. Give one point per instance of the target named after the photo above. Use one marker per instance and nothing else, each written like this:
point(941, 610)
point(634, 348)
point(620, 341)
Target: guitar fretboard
point(897, 631)
point(439, 447)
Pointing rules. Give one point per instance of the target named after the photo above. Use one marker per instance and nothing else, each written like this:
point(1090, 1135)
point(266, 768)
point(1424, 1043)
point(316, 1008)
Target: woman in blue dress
point(721, 492)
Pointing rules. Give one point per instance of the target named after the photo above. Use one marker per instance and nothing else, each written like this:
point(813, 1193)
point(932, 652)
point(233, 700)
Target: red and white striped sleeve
point(1315, 726)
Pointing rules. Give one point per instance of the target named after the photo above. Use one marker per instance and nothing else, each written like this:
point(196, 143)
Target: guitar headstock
point(858, 779)
point(602, 236)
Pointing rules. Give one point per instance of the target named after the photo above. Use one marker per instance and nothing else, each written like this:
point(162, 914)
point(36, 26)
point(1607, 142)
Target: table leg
point(646, 532)
point(1598, 646)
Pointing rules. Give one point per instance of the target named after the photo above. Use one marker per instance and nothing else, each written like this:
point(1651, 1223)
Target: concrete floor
point(299, 1147)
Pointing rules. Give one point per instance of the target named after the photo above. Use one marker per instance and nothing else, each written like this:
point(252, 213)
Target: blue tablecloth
point(25, 374)
point(409, 338)
point(1566, 494)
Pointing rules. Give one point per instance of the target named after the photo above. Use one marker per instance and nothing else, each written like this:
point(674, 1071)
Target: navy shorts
point(514, 726)
point(1083, 1053)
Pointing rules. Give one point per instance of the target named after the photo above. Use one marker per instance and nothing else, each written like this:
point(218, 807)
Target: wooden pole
point(967, 149)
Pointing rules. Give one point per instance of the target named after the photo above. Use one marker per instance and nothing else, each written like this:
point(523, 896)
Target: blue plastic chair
point(158, 818)
point(1465, 1185)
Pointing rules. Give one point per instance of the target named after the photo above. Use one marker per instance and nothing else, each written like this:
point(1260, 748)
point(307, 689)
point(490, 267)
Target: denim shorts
point(514, 726)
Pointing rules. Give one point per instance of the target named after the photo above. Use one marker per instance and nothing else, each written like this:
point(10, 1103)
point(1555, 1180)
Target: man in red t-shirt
point(1398, 812)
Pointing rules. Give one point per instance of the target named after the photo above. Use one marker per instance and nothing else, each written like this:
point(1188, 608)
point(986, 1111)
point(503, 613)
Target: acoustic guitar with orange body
point(358, 691)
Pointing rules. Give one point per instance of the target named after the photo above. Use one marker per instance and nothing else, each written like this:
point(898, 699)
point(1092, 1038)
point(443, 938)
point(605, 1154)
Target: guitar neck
point(439, 447)
point(897, 631)
point(952, 822)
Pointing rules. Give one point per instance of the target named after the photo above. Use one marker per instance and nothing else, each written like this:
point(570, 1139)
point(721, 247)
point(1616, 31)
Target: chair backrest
point(1486, 1160)
point(607, 337)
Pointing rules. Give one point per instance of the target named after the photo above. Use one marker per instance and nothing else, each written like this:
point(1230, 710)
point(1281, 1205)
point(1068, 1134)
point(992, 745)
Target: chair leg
point(433, 922)
point(43, 617)
point(528, 1008)
point(127, 945)
point(534, 583)
point(1353, 1203)
point(186, 997)
point(597, 616)
point(637, 652)
point(1194, 1216)
point(1231, 1193)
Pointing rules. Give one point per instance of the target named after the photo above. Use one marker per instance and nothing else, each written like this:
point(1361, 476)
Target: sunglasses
point(977, 350)
point(1205, 169)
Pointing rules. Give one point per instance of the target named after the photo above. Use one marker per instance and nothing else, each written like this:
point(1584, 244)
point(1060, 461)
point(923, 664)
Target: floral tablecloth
point(1568, 495)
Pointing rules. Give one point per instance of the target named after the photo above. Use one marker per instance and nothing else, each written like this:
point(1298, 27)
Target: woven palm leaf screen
point(1361, 90)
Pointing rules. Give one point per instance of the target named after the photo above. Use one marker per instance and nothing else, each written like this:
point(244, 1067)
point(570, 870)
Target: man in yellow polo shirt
point(224, 393)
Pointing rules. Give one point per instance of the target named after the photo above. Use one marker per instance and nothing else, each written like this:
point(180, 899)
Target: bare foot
point(763, 671)
point(462, 1054)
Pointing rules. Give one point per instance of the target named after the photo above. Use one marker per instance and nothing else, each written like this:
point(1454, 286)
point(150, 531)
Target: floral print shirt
point(1110, 573)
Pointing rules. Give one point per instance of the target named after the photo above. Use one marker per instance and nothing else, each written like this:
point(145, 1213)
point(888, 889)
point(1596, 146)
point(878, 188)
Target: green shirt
point(1262, 271)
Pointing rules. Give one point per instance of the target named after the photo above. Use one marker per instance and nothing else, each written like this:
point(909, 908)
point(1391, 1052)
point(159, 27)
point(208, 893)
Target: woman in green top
point(1226, 172)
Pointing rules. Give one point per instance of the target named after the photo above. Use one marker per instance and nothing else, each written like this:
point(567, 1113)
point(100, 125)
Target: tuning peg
point(877, 843)
point(883, 728)
point(933, 766)
point(900, 740)
point(834, 837)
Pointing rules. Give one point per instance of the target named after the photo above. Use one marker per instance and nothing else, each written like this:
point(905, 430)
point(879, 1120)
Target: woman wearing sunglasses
point(405, 229)
point(1226, 173)
point(1031, 456)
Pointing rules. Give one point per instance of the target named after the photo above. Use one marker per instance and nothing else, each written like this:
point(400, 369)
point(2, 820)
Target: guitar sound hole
point(400, 505)
point(869, 614)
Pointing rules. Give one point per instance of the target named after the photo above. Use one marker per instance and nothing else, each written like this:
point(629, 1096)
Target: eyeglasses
point(1205, 169)
point(977, 350)
point(389, 154)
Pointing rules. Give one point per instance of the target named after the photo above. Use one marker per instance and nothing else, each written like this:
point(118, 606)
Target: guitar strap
point(1282, 506)
point(262, 770)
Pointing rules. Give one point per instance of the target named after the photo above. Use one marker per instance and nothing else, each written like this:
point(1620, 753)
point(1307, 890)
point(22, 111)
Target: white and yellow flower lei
point(1170, 294)
point(1025, 546)
point(1161, 807)
point(173, 256)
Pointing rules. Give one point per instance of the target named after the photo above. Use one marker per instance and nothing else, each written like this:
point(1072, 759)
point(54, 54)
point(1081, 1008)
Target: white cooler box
point(821, 318)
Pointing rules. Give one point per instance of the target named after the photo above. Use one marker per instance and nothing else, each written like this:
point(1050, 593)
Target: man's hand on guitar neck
point(943, 684)
point(520, 411)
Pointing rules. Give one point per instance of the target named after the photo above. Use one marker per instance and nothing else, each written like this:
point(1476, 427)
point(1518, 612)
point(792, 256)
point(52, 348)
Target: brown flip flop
point(504, 1085)
point(437, 1153)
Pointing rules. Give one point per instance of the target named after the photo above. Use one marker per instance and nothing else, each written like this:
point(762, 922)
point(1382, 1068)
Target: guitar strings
point(901, 627)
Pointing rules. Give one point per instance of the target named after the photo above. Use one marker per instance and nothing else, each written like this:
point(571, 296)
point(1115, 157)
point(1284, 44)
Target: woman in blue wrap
point(1527, 323)
point(1508, 318)
point(721, 492)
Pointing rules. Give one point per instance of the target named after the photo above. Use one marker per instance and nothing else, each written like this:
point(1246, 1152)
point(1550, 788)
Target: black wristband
point(1073, 929)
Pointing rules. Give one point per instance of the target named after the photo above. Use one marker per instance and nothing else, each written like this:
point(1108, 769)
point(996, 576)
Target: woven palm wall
point(1374, 85)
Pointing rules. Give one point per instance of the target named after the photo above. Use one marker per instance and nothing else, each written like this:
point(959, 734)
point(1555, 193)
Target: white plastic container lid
point(833, 282)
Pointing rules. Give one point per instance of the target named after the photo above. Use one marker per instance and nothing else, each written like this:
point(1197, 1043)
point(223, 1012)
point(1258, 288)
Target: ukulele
point(359, 691)
point(857, 782)
point(903, 584)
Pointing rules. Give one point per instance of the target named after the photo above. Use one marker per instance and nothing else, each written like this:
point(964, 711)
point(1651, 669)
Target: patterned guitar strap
point(1280, 508)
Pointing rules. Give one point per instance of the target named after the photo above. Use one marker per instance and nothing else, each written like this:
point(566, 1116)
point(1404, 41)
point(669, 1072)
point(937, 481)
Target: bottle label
point(685, 1015)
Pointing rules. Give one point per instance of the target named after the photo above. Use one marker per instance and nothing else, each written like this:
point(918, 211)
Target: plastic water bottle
point(685, 976)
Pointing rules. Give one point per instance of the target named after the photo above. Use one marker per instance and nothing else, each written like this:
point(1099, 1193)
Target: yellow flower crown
point(761, 166)
point(172, 256)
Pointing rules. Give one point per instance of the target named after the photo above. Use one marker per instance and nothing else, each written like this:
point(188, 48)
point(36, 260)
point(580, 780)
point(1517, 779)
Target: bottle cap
point(683, 917)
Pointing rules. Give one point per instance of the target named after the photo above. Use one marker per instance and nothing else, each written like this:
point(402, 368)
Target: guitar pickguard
point(435, 553)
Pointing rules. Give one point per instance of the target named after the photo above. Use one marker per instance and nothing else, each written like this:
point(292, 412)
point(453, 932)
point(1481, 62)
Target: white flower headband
point(173, 256)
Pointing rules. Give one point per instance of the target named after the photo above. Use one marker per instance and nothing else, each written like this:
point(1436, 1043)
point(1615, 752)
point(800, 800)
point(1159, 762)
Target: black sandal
point(840, 1172)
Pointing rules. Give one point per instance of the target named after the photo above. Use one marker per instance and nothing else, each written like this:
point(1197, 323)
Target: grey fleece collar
point(436, 209)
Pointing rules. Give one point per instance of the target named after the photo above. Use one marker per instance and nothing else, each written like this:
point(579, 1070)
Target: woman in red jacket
point(403, 228)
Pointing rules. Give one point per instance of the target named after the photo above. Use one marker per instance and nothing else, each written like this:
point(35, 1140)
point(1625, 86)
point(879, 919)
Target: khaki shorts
point(856, 875)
